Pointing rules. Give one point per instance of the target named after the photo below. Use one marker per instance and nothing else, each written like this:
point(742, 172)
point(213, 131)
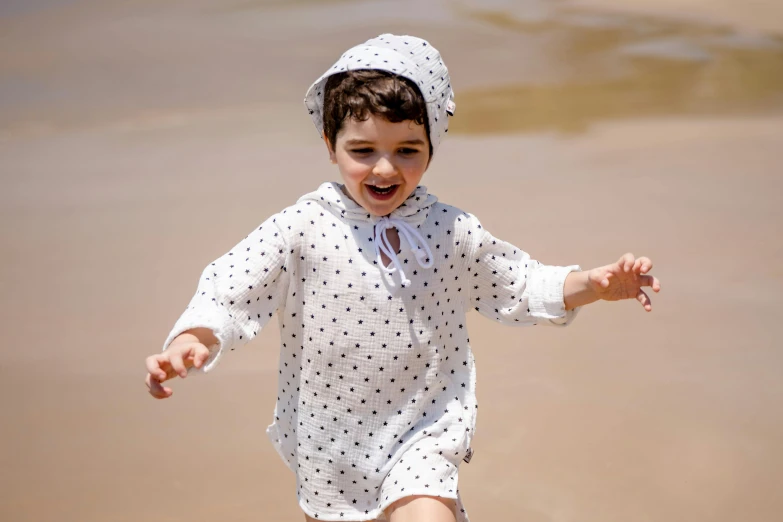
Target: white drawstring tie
point(412, 237)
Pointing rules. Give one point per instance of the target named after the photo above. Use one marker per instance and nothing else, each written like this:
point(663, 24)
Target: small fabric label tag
point(468, 456)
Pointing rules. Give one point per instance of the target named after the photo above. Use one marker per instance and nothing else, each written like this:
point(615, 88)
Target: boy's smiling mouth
point(382, 192)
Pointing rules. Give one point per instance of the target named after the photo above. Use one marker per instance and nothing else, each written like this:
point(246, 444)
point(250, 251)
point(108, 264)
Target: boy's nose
point(384, 167)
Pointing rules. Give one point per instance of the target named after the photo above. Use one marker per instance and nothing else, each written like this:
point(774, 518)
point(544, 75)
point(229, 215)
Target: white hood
point(413, 211)
point(406, 218)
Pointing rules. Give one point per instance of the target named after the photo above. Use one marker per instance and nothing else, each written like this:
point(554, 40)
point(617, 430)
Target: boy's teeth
point(382, 189)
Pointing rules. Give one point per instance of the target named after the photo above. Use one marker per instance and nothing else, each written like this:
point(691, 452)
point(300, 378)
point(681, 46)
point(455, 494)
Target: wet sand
point(139, 140)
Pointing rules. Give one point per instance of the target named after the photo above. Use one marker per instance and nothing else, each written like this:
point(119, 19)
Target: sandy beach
point(139, 140)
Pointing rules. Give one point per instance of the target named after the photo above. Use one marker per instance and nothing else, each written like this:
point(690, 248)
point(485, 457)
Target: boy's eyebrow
point(363, 142)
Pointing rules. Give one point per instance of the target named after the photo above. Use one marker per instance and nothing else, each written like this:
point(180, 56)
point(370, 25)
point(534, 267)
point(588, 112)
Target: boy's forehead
point(377, 128)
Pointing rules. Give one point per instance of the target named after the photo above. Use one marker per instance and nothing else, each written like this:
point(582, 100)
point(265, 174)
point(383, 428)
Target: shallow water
point(17, 7)
point(625, 66)
point(69, 64)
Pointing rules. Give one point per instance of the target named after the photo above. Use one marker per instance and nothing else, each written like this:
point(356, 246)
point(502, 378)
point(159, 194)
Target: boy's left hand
point(624, 280)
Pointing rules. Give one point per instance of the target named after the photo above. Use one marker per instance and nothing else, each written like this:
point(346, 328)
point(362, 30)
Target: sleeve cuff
point(223, 334)
point(546, 294)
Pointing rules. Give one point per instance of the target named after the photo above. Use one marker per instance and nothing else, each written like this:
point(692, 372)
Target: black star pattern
point(388, 367)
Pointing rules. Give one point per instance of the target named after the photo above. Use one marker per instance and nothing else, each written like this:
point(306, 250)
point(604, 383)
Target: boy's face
point(381, 163)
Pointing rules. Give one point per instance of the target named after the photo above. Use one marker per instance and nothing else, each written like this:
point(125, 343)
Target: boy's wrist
point(579, 290)
point(592, 282)
point(203, 336)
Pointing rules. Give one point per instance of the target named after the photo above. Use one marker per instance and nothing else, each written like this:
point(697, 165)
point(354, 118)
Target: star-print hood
point(407, 56)
point(407, 219)
point(331, 196)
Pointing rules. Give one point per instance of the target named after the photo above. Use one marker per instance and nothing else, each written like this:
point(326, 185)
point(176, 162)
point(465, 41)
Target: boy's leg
point(418, 509)
point(422, 509)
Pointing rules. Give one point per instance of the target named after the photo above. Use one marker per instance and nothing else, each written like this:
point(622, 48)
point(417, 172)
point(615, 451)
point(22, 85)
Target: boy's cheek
point(353, 173)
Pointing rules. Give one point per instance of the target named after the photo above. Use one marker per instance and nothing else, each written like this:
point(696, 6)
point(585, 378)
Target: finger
point(646, 265)
point(651, 281)
point(626, 262)
point(637, 265)
point(156, 389)
point(153, 387)
point(605, 281)
point(154, 366)
point(645, 300)
point(200, 356)
point(177, 364)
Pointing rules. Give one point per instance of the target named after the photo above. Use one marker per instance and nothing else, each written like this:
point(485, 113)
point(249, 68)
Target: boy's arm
point(237, 294)
point(203, 336)
point(577, 291)
point(189, 350)
point(506, 285)
point(621, 280)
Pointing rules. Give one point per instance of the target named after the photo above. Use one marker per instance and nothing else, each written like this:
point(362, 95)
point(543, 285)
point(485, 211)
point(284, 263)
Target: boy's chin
point(378, 210)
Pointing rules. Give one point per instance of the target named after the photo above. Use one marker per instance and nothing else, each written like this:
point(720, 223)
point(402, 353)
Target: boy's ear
point(332, 156)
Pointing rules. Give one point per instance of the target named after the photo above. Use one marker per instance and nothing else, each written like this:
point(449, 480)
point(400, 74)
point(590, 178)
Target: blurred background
point(141, 139)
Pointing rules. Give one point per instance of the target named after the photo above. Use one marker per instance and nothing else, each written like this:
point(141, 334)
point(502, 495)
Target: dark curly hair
point(361, 92)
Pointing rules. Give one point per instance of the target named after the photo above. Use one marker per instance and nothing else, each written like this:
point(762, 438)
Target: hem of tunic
point(378, 513)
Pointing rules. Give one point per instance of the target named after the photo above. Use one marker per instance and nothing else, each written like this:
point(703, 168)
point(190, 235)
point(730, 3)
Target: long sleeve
point(508, 286)
point(239, 292)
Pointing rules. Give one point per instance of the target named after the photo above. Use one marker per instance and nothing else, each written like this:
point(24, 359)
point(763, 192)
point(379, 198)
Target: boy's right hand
point(174, 361)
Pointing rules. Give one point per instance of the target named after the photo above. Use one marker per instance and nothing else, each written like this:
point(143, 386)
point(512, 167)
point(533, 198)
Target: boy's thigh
point(418, 508)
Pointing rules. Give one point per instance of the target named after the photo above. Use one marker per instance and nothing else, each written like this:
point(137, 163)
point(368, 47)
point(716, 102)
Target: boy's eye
point(363, 150)
point(408, 151)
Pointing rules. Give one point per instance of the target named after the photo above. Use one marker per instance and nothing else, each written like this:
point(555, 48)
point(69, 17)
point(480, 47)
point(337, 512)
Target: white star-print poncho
point(376, 397)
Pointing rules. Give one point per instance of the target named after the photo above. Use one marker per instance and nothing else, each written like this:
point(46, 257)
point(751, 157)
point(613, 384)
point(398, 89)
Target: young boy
point(371, 280)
